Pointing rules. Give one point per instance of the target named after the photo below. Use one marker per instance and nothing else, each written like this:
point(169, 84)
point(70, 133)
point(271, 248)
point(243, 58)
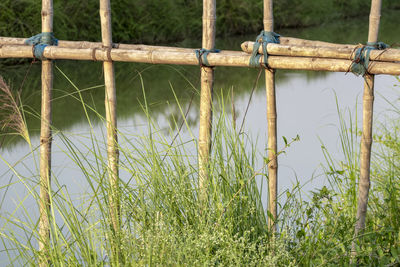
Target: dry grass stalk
point(10, 112)
point(45, 141)
point(271, 118)
point(223, 58)
point(389, 55)
point(111, 117)
point(206, 96)
point(366, 140)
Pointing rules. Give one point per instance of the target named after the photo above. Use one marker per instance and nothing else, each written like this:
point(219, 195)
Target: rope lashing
point(360, 64)
point(264, 38)
point(39, 42)
point(202, 54)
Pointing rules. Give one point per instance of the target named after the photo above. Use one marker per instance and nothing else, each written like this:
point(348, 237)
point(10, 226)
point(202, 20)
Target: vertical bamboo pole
point(271, 117)
point(366, 139)
point(207, 81)
point(111, 117)
point(45, 141)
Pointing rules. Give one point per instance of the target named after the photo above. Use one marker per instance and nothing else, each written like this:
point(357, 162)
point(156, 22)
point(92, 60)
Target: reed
point(206, 97)
point(224, 58)
point(366, 139)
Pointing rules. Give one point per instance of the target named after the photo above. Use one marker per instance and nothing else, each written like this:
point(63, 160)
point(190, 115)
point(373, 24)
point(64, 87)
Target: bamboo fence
point(45, 142)
point(290, 53)
point(366, 139)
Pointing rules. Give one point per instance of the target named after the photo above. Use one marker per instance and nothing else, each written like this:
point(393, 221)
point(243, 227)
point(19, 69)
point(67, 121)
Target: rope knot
point(202, 54)
point(360, 63)
point(39, 43)
point(264, 38)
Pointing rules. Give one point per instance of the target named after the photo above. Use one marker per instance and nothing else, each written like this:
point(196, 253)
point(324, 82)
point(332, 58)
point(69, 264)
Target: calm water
point(306, 105)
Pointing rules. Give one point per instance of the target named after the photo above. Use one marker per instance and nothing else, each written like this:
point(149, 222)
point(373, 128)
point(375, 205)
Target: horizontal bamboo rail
point(341, 52)
point(224, 58)
point(86, 44)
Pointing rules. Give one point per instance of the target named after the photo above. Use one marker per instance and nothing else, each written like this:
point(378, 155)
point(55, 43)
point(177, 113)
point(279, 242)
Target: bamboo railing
point(290, 53)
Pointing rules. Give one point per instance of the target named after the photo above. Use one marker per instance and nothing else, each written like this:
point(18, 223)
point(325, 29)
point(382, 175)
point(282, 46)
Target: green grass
point(163, 223)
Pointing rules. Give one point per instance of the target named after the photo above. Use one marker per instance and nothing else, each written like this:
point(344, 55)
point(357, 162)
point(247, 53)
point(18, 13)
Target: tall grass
point(163, 223)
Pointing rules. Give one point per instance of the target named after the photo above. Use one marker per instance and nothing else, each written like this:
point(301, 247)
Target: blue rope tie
point(202, 54)
point(263, 39)
point(40, 41)
point(360, 64)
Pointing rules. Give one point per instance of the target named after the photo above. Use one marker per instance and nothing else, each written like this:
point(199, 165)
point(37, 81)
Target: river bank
point(166, 21)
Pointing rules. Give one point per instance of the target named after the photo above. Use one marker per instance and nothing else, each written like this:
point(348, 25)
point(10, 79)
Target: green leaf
point(285, 140)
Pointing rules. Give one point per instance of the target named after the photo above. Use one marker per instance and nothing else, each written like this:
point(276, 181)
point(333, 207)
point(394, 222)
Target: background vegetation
point(158, 21)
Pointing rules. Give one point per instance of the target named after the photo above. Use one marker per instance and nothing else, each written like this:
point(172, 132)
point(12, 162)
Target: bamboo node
point(367, 141)
point(209, 18)
point(151, 56)
point(44, 140)
point(108, 51)
point(94, 54)
point(46, 13)
point(368, 98)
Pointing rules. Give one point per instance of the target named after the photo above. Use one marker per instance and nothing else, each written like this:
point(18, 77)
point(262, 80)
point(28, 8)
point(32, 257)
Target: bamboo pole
point(45, 142)
point(223, 58)
point(366, 139)
point(272, 132)
point(111, 121)
point(345, 52)
point(206, 95)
